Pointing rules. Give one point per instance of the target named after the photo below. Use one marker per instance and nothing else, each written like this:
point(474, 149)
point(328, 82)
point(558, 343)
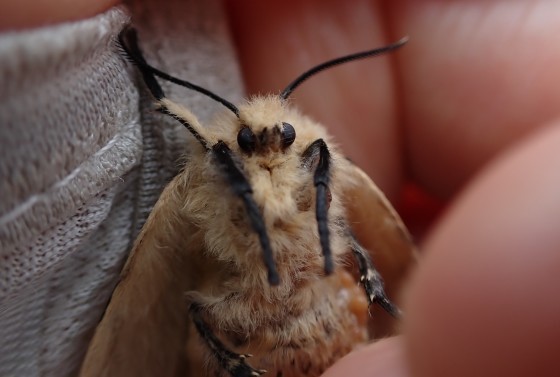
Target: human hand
point(475, 78)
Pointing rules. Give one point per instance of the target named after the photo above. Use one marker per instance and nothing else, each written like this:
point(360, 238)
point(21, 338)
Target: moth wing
point(144, 328)
point(380, 230)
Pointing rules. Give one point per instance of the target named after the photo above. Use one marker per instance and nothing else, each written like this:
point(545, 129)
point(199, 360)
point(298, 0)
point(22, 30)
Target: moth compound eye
point(246, 139)
point(288, 134)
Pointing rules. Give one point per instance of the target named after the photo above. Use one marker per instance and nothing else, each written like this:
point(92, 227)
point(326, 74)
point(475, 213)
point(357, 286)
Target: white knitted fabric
point(82, 160)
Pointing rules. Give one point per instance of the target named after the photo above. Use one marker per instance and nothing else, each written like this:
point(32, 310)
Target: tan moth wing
point(381, 231)
point(144, 329)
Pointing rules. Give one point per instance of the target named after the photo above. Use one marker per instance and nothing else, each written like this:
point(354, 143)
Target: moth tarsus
point(371, 279)
point(266, 186)
point(232, 362)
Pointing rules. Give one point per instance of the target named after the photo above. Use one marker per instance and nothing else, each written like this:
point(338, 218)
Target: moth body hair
point(277, 181)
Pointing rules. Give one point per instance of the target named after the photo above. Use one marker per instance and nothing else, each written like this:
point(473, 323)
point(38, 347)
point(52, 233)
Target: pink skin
point(23, 14)
point(470, 106)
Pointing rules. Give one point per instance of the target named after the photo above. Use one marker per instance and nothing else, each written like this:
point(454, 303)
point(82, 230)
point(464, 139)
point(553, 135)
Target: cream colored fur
point(198, 245)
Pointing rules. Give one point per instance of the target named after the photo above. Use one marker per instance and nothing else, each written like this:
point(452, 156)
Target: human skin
point(469, 111)
point(22, 14)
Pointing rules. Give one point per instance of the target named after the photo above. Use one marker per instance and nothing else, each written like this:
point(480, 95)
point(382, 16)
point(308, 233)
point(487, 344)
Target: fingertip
point(484, 301)
point(384, 358)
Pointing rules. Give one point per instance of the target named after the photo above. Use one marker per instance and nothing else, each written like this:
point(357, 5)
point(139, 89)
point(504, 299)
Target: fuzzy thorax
point(282, 186)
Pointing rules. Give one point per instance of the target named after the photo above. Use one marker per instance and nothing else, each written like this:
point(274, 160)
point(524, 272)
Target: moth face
point(273, 168)
point(268, 149)
point(273, 142)
point(265, 126)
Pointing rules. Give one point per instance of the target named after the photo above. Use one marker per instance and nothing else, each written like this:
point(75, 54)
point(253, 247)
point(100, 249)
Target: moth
point(240, 267)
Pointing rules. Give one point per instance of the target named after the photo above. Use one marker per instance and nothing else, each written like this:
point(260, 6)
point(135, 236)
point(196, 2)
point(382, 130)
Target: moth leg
point(232, 362)
point(372, 280)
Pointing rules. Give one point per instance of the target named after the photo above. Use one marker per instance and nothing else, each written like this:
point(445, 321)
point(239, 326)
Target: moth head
point(264, 127)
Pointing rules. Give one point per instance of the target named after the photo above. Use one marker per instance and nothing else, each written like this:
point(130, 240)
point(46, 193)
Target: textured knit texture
point(83, 158)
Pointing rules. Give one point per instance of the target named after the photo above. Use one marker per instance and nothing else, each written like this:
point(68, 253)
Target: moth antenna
point(128, 41)
point(242, 189)
point(334, 62)
point(321, 180)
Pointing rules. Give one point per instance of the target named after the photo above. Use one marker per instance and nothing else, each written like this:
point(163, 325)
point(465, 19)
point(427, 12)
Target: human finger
point(16, 15)
point(476, 77)
point(484, 301)
point(384, 358)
